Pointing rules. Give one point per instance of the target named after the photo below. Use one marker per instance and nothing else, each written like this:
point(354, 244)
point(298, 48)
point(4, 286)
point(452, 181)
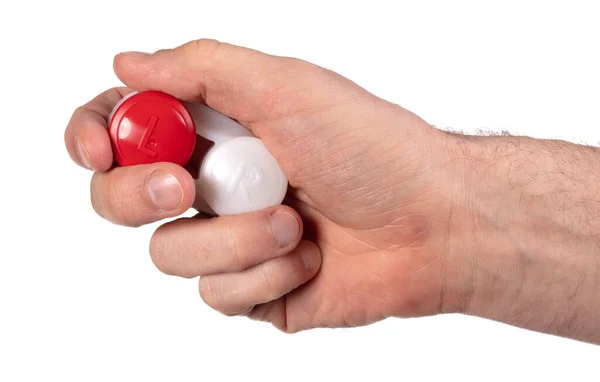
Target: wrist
point(525, 228)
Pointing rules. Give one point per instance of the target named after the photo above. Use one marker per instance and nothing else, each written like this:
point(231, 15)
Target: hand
point(359, 237)
point(383, 217)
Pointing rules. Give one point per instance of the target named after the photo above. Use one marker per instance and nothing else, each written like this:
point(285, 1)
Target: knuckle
point(162, 51)
point(202, 48)
point(118, 203)
point(95, 198)
point(166, 253)
point(201, 52)
point(158, 252)
point(211, 295)
point(234, 254)
point(270, 276)
point(111, 201)
point(78, 110)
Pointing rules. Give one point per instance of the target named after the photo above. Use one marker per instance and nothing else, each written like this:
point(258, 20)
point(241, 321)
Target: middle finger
point(191, 247)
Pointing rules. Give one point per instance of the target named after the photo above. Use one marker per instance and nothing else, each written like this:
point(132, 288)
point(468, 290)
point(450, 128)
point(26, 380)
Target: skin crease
point(400, 219)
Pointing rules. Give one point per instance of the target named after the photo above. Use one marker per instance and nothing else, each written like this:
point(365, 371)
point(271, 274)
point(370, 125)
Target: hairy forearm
point(528, 223)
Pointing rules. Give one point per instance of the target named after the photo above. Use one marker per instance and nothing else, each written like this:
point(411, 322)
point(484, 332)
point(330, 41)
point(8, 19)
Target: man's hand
point(386, 216)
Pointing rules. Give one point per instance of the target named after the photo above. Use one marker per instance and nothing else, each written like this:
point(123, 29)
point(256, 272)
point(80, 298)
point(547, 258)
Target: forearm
point(529, 225)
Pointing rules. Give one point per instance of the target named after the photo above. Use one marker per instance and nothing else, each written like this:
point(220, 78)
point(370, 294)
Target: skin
point(386, 216)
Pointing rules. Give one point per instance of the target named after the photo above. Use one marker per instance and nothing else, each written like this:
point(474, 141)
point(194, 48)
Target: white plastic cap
point(238, 174)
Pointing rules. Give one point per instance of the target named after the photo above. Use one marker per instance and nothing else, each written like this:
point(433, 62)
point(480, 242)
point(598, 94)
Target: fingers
point(200, 247)
point(86, 136)
point(243, 260)
point(137, 195)
point(242, 83)
point(237, 293)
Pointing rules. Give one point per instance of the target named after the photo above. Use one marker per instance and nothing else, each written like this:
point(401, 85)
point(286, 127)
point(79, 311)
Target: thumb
point(241, 83)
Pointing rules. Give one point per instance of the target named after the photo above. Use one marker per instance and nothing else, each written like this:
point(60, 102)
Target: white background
point(80, 299)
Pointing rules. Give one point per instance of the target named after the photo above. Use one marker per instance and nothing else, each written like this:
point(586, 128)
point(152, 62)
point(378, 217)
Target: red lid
point(150, 127)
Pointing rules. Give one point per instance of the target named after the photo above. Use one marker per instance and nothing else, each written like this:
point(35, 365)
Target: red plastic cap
point(151, 127)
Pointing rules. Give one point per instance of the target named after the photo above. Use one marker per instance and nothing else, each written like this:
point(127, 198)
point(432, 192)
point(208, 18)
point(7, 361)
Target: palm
point(364, 204)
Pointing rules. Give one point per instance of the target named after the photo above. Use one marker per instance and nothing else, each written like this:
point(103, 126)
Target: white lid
point(239, 175)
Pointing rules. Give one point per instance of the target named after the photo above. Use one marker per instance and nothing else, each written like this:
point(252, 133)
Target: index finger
point(86, 136)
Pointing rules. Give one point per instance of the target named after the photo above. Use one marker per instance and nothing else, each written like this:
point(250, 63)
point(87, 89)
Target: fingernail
point(83, 154)
point(285, 228)
point(136, 55)
point(165, 191)
point(311, 260)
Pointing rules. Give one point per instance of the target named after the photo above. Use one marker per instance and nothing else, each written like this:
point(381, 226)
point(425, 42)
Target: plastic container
point(237, 174)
